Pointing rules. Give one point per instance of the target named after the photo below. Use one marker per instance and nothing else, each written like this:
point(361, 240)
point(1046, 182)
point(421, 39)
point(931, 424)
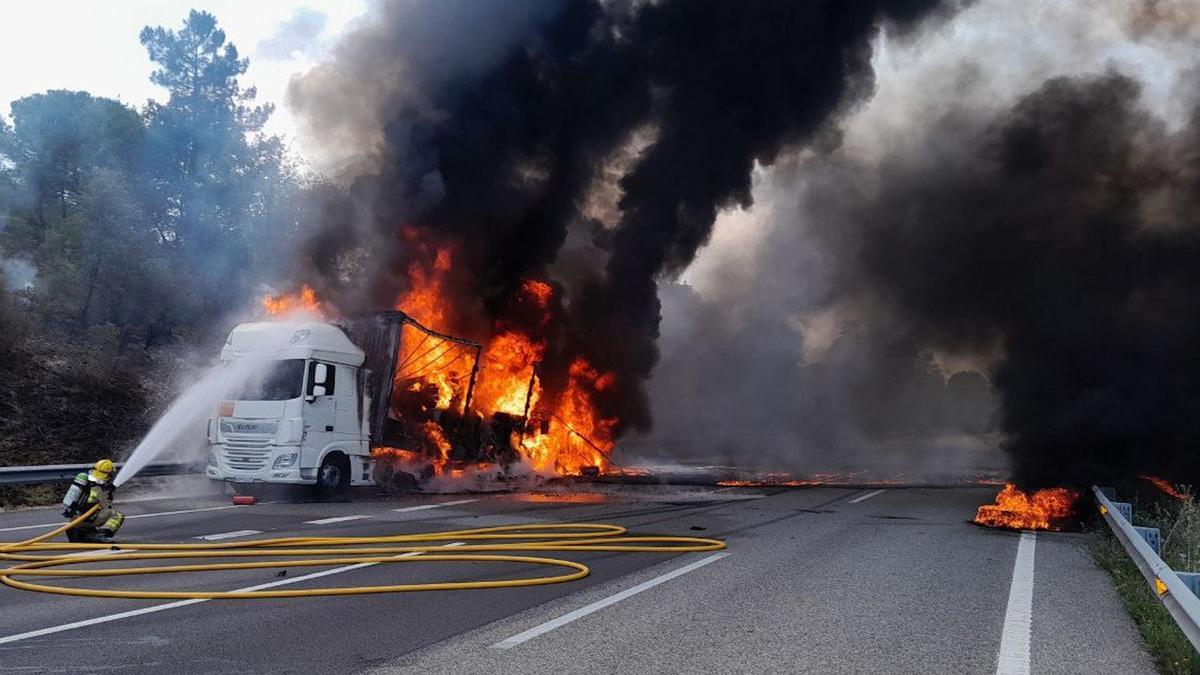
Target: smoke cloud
point(1026, 223)
point(936, 229)
point(495, 132)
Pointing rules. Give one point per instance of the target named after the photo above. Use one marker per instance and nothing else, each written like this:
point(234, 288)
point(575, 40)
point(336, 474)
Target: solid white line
point(567, 618)
point(228, 535)
point(337, 519)
point(434, 506)
point(1018, 619)
point(140, 515)
point(184, 603)
point(863, 498)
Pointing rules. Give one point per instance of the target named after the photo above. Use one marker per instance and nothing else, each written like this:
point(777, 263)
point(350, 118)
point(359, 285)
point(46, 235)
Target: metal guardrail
point(1176, 590)
point(54, 473)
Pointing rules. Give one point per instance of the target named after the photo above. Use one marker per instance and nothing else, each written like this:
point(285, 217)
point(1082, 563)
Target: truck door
point(320, 410)
point(348, 425)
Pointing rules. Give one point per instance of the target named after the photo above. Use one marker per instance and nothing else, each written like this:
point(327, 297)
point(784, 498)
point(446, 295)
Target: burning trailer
point(422, 423)
point(383, 399)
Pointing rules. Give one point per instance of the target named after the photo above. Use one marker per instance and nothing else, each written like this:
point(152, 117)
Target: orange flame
point(576, 437)
point(425, 299)
point(435, 436)
point(1167, 488)
point(505, 369)
point(1045, 509)
point(283, 304)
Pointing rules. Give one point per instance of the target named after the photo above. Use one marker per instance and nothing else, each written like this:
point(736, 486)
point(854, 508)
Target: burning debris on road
point(1045, 509)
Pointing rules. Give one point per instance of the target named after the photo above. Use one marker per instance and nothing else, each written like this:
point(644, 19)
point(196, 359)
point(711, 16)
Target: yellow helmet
point(104, 466)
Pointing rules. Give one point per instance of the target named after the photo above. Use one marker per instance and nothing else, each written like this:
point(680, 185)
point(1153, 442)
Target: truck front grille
point(246, 452)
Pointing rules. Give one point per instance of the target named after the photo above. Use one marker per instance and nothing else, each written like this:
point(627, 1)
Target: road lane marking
point(336, 519)
point(1018, 618)
point(184, 603)
point(567, 618)
point(102, 551)
point(140, 515)
point(863, 498)
point(228, 535)
point(424, 507)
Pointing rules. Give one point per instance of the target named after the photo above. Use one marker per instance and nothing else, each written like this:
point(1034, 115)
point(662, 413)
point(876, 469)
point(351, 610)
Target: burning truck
point(382, 398)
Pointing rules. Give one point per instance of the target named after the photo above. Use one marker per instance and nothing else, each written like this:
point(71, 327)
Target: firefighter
point(86, 490)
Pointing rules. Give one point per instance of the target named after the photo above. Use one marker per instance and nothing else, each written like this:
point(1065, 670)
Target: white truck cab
point(300, 422)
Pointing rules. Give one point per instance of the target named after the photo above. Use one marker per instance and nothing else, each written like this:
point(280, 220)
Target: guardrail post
point(1152, 537)
point(1143, 544)
point(1192, 580)
point(1125, 509)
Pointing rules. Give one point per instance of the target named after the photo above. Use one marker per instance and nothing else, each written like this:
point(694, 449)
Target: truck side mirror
point(318, 390)
point(320, 375)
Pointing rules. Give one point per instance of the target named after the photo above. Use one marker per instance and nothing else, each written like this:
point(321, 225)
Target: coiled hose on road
point(502, 542)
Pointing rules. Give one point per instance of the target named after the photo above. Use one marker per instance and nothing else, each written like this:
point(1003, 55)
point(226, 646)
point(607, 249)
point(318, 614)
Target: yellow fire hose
point(500, 544)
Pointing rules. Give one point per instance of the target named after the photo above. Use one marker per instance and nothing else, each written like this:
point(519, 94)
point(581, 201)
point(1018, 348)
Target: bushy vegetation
point(127, 237)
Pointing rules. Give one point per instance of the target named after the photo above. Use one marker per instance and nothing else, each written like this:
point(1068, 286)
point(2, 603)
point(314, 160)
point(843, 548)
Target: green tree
point(59, 136)
point(58, 142)
point(212, 163)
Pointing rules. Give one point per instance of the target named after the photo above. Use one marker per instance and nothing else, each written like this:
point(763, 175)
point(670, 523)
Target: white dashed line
point(1018, 619)
point(140, 515)
point(337, 519)
point(184, 603)
point(228, 535)
point(424, 507)
point(863, 498)
point(567, 618)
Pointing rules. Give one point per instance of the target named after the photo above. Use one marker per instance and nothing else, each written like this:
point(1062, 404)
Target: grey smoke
point(390, 62)
point(18, 274)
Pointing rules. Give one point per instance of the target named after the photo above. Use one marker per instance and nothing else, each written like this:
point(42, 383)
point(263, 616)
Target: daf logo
point(300, 335)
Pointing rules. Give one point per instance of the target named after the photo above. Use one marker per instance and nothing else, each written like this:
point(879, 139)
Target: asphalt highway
point(820, 580)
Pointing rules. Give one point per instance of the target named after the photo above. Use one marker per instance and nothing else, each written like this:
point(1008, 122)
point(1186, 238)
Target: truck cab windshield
point(279, 380)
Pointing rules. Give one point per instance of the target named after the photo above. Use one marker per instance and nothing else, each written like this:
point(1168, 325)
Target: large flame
point(565, 435)
point(1046, 509)
point(556, 433)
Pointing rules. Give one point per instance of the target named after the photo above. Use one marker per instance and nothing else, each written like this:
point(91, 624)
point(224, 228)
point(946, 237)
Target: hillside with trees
point(127, 239)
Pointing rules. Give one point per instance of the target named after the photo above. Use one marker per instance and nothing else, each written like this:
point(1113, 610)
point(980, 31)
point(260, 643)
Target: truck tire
point(334, 474)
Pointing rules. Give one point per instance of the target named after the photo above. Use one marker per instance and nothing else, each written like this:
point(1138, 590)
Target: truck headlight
point(212, 458)
point(284, 461)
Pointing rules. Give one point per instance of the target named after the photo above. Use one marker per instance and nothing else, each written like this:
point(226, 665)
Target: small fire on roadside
point(1167, 488)
point(1045, 509)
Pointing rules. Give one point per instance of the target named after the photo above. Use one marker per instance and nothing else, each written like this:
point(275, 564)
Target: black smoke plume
point(1060, 237)
point(492, 124)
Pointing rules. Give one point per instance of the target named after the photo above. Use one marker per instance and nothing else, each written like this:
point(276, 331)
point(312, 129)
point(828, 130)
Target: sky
point(93, 46)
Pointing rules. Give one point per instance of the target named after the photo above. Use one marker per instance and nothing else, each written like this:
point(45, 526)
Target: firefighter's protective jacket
point(85, 491)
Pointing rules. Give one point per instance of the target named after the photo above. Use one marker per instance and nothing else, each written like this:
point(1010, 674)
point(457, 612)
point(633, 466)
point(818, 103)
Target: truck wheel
point(334, 475)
